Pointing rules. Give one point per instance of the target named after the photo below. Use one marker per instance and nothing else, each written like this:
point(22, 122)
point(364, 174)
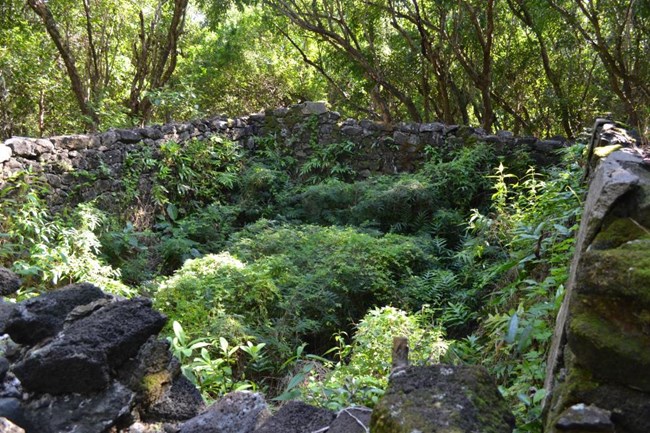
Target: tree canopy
point(539, 67)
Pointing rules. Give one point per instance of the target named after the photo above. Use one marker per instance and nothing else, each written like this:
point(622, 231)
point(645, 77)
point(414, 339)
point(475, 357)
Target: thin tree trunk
point(40, 8)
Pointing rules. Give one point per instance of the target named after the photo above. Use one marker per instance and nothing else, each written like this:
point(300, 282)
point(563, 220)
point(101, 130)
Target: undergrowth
point(291, 277)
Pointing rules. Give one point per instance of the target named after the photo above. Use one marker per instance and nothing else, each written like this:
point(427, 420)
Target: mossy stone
point(441, 399)
point(153, 385)
point(622, 272)
point(611, 350)
point(618, 232)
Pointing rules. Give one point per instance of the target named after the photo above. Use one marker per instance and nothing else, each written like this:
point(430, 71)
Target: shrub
point(359, 374)
point(50, 250)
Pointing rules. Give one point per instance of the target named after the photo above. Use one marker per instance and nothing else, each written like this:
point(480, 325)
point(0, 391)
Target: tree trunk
point(40, 8)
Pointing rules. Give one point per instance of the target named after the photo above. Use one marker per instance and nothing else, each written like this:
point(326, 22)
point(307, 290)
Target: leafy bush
point(435, 200)
point(533, 220)
point(49, 250)
point(360, 372)
point(293, 283)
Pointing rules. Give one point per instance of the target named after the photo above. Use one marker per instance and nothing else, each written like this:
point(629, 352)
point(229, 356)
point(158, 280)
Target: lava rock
point(441, 398)
point(237, 412)
point(9, 282)
point(80, 359)
point(42, 317)
point(297, 417)
point(4, 367)
point(351, 420)
point(95, 413)
point(179, 401)
point(11, 409)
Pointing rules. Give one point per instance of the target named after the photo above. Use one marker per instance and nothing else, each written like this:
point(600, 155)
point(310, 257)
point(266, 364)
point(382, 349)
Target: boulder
point(441, 398)
point(42, 317)
point(309, 108)
point(237, 412)
point(351, 420)
point(298, 417)
point(12, 410)
point(21, 146)
point(9, 282)
point(73, 142)
point(79, 360)
point(90, 413)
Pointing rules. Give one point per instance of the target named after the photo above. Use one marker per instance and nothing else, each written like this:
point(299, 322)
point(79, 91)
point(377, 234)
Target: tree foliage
point(540, 67)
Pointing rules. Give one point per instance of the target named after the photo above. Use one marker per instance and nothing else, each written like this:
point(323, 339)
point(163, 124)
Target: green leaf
point(513, 324)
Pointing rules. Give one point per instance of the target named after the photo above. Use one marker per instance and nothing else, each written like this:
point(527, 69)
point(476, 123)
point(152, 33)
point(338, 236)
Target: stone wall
point(598, 375)
point(379, 148)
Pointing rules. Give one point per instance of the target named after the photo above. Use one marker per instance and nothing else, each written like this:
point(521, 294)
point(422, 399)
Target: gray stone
point(441, 398)
point(21, 146)
point(5, 152)
point(109, 138)
point(80, 359)
point(351, 420)
point(38, 318)
point(129, 135)
point(71, 142)
point(352, 131)
point(298, 417)
point(237, 412)
point(7, 426)
point(505, 134)
point(280, 112)
point(401, 138)
point(308, 108)
point(590, 418)
point(9, 282)
point(94, 413)
point(153, 133)
point(12, 410)
point(547, 146)
point(431, 127)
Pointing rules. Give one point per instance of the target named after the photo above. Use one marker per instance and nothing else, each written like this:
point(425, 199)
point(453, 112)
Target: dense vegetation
point(543, 66)
point(291, 278)
point(294, 281)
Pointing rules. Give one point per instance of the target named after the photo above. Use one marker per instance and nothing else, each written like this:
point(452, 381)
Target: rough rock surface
point(80, 359)
point(298, 417)
point(237, 412)
point(586, 418)
point(379, 147)
point(351, 420)
point(38, 318)
point(9, 282)
point(92, 365)
point(86, 413)
point(441, 398)
point(599, 357)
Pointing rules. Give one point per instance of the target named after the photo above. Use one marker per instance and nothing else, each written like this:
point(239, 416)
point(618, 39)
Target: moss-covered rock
point(618, 232)
point(608, 340)
point(441, 399)
point(620, 272)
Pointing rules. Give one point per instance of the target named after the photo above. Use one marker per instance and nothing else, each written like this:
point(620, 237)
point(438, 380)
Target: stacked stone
point(379, 147)
point(598, 374)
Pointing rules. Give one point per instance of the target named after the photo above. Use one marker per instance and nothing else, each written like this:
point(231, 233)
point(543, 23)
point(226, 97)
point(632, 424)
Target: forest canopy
point(539, 67)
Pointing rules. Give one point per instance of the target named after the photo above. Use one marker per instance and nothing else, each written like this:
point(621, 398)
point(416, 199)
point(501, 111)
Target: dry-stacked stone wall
point(65, 161)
